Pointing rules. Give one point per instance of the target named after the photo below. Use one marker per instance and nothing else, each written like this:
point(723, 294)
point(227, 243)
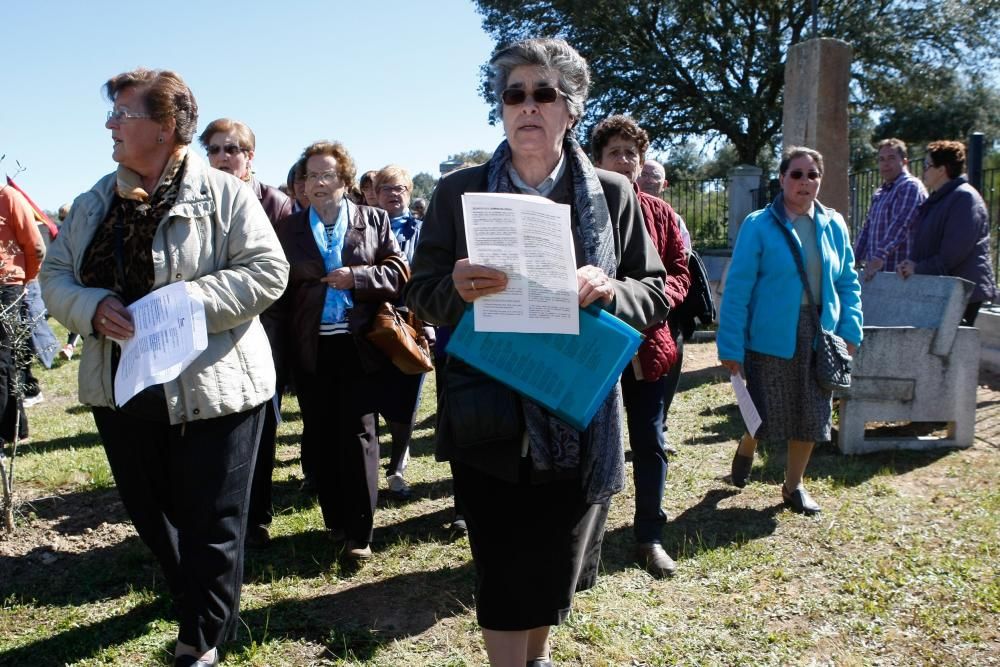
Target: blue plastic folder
point(569, 375)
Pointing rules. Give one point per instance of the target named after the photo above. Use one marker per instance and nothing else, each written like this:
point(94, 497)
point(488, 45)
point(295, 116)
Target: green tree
point(423, 185)
point(686, 68)
point(941, 104)
point(472, 157)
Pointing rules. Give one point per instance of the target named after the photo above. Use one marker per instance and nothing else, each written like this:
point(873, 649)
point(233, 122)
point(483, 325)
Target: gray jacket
point(218, 240)
point(951, 237)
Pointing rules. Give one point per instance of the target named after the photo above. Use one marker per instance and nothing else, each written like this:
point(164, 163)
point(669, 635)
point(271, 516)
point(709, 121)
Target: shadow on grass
point(353, 623)
point(78, 441)
point(694, 379)
point(702, 527)
point(86, 640)
point(845, 471)
point(60, 578)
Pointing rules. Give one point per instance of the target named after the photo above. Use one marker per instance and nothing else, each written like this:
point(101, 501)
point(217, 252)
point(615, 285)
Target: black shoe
point(258, 537)
point(191, 661)
point(540, 662)
point(656, 561)
point(740, 472)
point(458, 525)
point(800, 501)
point(308, 486)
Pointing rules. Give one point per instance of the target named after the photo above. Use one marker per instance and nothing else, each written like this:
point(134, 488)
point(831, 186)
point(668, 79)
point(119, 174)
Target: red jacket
point(659, 352)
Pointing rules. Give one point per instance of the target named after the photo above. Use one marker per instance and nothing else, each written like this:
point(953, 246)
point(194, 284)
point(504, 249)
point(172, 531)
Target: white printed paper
point(529, 239)
point(170, 333)
point(749, 411)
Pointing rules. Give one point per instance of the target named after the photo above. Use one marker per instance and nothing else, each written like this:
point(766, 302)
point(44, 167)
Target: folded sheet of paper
point(170, 333)
point(529, 239)
point(749, 411)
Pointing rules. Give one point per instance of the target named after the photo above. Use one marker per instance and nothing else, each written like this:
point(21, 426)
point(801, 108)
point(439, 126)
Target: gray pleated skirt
point(791, 403)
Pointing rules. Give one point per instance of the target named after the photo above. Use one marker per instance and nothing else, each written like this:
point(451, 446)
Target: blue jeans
point(644, 412)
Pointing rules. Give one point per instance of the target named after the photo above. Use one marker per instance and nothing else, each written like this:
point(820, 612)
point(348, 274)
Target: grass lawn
point(899, 569)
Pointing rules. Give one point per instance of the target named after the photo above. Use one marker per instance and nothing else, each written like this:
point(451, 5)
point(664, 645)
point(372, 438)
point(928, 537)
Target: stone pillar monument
point(817, 75)
point(744, 181)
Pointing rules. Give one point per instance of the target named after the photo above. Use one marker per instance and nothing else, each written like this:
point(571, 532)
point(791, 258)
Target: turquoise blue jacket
point(763, 291)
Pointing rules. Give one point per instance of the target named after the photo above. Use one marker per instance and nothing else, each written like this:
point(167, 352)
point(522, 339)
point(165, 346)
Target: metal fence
point(704, 205)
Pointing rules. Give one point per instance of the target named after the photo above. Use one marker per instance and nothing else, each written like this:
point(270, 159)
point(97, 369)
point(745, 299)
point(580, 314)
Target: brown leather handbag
point(400, 336)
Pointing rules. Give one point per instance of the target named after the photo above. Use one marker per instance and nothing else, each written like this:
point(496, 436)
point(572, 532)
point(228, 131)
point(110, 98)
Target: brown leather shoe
point(800, 501)
point(357, 551)
point(656, 561)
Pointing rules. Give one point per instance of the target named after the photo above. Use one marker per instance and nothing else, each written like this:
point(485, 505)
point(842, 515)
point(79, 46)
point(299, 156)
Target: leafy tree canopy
point(423, 185)
point(687, 68)
point(472, 157)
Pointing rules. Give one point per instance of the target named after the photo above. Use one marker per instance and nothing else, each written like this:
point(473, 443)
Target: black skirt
point(533, 545)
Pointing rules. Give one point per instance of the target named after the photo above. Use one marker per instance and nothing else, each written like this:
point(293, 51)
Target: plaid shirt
point(886, 234)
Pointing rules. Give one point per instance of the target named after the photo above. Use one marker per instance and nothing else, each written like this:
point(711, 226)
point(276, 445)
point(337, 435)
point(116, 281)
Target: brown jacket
point(379, 270)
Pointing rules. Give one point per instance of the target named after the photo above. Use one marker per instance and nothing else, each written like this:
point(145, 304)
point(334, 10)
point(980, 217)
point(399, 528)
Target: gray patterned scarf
point(553, 444)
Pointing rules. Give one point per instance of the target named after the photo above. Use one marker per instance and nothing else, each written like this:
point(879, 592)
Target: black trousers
point(261, 511)
point(337, 400)
point(10, 404)
point(186, 489)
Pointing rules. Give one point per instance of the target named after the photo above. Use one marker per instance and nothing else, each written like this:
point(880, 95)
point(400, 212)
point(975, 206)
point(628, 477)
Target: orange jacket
point(21, 247)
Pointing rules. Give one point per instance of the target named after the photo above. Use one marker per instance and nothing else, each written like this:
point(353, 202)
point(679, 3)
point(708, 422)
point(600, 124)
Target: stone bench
point(916, 364)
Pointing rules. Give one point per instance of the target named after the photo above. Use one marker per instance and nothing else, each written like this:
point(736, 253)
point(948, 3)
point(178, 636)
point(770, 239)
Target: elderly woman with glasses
point(535, 499)
point(399, 395)
point(951, 231)
point(767, 329)
point(345, 264)
point(181, 452)
point(230, 145)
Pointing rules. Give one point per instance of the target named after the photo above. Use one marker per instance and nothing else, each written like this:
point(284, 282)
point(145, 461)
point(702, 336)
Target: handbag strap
point(797, 254)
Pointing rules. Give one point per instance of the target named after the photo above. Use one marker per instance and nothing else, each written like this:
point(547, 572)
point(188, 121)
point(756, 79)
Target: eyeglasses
point(394, 189)
point(330, 175)
point(118, 115)
point(230, 149)
point(798, 175)
point(544, 95)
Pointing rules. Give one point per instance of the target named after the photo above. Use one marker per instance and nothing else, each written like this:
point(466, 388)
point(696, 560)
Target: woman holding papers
point(181, 452)
point(536, 496)
point(345, 264)
point(766, 329)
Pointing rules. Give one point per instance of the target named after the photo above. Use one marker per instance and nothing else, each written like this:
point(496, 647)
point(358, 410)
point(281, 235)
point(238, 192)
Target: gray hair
point(551, 54)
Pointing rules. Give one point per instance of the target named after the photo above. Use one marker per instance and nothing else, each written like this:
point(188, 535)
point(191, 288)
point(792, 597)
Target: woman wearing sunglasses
point(951, 232)
point(766, 330)
point(230, 145)
point(535, 499)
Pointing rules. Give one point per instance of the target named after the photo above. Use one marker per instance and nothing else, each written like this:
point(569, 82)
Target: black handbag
point(480, 422)
point(833, 362)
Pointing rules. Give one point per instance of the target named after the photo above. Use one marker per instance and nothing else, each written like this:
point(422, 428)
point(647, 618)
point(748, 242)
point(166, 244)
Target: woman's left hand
point(594, 285)
point(852, 349)
point(341, 278)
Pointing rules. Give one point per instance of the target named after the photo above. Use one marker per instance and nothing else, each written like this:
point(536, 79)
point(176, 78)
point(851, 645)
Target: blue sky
point(395, 81)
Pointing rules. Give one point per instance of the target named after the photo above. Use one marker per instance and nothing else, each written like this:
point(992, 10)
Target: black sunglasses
point(543, 95)
point(231, 149)
point(798, 174)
